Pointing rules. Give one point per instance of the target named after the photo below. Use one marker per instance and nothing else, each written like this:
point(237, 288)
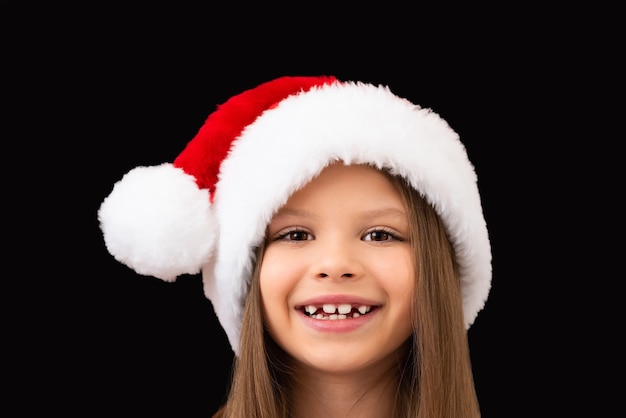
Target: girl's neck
point(363, 394)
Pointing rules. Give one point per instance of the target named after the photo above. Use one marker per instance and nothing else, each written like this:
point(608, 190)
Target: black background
point(93, 91)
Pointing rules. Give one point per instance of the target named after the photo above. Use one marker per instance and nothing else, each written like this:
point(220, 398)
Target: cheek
point(397, 276)
point(400, 285)
point(277, 278)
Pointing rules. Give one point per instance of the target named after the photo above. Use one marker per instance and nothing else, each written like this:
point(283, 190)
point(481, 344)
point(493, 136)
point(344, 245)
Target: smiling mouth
point(333, 312)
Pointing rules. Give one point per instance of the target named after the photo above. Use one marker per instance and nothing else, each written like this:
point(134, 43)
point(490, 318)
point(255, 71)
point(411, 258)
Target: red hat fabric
point(208, 210)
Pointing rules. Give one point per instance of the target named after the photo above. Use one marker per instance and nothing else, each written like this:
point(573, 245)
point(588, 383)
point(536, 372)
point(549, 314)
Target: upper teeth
point(333, 311)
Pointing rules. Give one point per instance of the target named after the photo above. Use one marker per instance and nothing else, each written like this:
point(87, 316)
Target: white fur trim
point(157, 221)
point(357, 123)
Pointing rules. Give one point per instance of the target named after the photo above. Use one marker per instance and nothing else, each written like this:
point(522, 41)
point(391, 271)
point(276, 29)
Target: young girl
point(341, 240)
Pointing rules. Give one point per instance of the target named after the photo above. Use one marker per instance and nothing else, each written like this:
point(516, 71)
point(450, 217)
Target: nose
point(337, 259)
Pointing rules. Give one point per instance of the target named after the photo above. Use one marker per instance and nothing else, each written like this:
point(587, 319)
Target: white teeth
point(336, 311)
point(329, 308)
point(345, 308)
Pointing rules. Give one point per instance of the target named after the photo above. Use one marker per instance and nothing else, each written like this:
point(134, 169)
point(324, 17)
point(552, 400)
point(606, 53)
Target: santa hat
point(208, 210)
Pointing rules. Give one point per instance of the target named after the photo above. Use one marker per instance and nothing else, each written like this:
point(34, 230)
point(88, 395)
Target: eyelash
point(289, 235)
point(390, 235)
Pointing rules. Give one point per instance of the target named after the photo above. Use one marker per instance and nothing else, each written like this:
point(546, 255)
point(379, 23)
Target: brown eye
point(378, 235)
point(382, 235)
point(297, 236)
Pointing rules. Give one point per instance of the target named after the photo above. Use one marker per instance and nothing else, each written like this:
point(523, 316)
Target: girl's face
point(337, 277)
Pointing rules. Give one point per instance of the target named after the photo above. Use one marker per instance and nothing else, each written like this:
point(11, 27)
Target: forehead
point(340, 184)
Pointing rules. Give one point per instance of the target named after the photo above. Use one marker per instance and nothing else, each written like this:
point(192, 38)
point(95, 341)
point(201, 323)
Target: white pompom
point(158, 222)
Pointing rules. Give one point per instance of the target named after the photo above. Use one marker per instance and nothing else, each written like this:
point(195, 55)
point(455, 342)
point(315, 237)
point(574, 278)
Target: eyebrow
point(373, 213)
point(292, 212)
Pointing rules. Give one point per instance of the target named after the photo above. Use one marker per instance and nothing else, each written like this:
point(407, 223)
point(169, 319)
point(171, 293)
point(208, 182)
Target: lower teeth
point(336, 316)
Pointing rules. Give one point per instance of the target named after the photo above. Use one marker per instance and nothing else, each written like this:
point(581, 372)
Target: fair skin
point(342, 240)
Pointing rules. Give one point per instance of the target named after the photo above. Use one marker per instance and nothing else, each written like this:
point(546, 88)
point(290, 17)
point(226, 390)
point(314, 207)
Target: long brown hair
point(434, 380)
